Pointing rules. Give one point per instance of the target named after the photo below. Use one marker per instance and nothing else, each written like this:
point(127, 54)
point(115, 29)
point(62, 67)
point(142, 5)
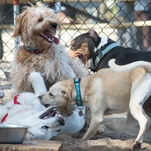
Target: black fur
point(122, 55)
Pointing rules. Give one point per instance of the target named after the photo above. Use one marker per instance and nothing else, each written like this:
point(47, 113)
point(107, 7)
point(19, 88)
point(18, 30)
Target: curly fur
point(52, 62)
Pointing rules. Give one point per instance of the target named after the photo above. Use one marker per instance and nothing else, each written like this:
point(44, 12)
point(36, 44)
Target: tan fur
point(83, 52)
point(52, 63)
point(107, 92)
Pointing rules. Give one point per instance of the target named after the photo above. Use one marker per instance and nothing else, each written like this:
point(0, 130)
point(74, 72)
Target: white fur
point(38, 83)
point(104, 40)
point(29, 109)
point(74, 123)
point(134, 65)
point(26, 113)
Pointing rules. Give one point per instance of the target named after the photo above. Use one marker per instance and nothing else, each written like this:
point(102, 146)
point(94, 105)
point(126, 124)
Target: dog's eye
point(45, 127)
point(76, 46)
point(50, 94)
point(40, 19)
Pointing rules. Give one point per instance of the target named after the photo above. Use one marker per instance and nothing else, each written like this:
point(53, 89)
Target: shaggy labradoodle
point(40, 50)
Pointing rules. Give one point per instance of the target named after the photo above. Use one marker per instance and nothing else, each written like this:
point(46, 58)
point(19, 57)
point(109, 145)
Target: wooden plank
point(106, 25)
point(96, 26)
point(72, 1)
point(36, 145)
point(20, 1)
point(34, 1)
point(3, 27)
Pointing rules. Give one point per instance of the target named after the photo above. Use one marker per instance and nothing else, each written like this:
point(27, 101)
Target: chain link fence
point(126, 22)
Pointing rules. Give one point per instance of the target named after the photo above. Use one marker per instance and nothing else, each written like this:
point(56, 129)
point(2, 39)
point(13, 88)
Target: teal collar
point(78, 92)
point(101, 53)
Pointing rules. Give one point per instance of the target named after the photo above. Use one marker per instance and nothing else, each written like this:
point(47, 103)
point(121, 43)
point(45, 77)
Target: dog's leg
point(37, 82)
point(96, 120)
point(144, 123)
point(139, 94)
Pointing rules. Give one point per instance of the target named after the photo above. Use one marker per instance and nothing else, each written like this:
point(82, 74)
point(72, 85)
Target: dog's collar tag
point(78, 93)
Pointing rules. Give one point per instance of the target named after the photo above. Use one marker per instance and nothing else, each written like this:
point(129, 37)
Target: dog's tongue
point(51, 38)
point(56, 40)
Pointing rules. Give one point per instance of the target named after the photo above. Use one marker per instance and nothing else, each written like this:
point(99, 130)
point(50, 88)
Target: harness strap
point(101, 53)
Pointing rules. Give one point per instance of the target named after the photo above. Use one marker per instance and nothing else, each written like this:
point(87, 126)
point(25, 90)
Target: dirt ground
point(117, 135)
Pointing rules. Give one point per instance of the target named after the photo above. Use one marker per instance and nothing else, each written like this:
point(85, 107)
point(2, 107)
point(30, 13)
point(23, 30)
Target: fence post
point(131, 31)
point(16, 12)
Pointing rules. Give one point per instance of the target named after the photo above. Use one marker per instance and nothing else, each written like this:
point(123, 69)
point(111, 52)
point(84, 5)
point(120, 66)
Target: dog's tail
point(138, 64)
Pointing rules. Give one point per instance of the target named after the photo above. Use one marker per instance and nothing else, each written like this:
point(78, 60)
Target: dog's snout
point(53, 25)
point(61, 121)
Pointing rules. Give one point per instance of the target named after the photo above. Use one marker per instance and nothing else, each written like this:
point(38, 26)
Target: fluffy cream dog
point(108, 91)
point(43, 123)
point(40, 50)
point(29, 111)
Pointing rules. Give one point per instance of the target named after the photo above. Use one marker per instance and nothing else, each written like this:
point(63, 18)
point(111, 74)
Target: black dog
point(101, 49)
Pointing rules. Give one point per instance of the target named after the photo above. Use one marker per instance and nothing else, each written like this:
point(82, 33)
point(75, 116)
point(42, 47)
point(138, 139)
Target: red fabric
point(15, 102)
point(4, 118)
point(15, 2)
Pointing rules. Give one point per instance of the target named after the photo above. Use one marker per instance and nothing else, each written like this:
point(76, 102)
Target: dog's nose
point(53, 25)
point(39, 97)
point(61, 121)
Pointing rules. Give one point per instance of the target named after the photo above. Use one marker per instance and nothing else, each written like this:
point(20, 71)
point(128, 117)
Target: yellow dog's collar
point(78, 92)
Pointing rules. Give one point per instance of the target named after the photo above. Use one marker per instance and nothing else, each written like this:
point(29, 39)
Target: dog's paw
point(137, 146)
point(102, 128)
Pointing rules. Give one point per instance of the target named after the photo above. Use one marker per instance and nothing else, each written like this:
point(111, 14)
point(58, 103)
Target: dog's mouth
point(81, 55)
point(50, 113)
point(77, 50)
point(49, 37)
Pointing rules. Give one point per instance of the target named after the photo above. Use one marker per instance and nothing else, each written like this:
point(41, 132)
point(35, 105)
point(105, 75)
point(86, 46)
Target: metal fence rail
point(120, 20)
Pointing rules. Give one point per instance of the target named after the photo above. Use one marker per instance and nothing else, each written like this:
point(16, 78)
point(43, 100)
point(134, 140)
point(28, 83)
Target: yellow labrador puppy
point(114, 90)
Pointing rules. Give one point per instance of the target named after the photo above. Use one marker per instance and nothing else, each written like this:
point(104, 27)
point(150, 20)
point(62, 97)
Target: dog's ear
point(93, 34)
point(19, 23)
point(67, 94)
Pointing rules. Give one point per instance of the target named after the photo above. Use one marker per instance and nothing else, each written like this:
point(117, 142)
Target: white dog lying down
point(43, 123)
point(109, 91)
